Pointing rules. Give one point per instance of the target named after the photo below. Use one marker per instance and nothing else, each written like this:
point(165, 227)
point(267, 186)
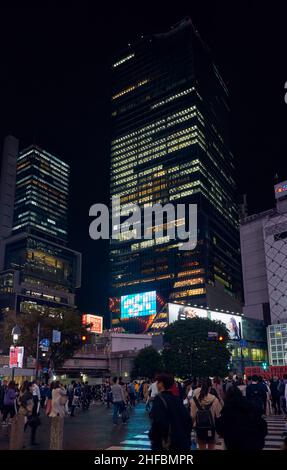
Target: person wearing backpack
point(256, 394)
point(171, 423)
point(205, 408)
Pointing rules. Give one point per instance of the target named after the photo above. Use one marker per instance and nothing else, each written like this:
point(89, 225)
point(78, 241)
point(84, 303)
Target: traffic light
point(264, 365)
point(84, 338)
point(220, 338)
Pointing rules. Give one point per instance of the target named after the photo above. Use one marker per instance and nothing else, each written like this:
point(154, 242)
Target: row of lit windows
point(123, 60)
point(123, 140)
point(50, 167)
point(129, 89)
point(189, 282)
point(188, 293)
point(172, 98)
point(46, 156)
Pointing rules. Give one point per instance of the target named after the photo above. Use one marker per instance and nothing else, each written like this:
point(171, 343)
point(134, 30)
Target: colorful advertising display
point(231, 322)
point(94, 323)
point(16, 356)
point(138, 305)
point(182, 312)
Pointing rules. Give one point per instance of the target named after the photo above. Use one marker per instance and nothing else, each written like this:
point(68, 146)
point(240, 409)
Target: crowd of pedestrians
point(231, 409)
point(193, 413)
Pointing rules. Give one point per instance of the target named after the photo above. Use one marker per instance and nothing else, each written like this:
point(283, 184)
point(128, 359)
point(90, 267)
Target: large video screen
point(230, 321)
point(182, 312)
point(138, 305)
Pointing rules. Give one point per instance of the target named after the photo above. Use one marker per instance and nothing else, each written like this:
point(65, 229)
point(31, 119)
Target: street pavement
point(93, 429)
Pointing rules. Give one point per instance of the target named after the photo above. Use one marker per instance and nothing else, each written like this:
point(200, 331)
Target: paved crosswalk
point(276, 427)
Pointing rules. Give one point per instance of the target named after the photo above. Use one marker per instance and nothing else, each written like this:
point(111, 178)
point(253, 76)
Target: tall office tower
point(41, 201)
point(170, 143)
point(37, 270)
point(7, 184)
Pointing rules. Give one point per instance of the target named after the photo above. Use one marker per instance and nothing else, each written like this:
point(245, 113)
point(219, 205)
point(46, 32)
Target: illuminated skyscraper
point(170, 143)
point(42, 188)
point(37, 270)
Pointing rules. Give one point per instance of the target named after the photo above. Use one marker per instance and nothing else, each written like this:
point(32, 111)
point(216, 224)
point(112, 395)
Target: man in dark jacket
point(256, 395)
point(240, 424)
point(171, 422)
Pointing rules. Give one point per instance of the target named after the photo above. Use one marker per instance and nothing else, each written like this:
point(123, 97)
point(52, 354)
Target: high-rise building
point(37, 271)
point(170, 144)
point(263, 239)
point(8, 164)
point(42, 188)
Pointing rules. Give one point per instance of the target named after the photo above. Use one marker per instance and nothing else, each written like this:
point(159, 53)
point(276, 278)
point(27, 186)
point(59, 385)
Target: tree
point(147, 363)
point(188, 351)
point(66, 320)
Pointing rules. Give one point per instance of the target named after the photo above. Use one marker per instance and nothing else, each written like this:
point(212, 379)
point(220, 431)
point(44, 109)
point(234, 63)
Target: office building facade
point(264, 261)
point(170, 144)
point(42, 189)
point(37, 270)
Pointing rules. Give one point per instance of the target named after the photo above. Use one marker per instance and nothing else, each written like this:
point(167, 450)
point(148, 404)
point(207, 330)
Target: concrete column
point(57, 433)
point(17, 433)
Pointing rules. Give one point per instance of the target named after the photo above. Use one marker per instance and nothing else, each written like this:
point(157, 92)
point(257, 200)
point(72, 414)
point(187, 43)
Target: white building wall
point(128, 342)
point(275, 248)
point(253, 267)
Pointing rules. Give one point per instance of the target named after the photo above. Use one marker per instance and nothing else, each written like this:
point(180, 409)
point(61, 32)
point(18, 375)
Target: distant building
point(277, 344)
point(264, 261)
point(8, 164)
point(170, 144)
point(42, 190)
point(37, 271)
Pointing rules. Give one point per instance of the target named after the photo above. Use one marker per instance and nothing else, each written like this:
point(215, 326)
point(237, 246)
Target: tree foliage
point(188, 351)
point(147, 363)
point(66, 320)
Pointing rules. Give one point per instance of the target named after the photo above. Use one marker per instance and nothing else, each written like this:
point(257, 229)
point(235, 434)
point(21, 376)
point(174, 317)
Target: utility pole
point(37, 350)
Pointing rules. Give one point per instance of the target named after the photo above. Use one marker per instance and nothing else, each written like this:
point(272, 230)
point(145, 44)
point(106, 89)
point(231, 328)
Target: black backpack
point(204, 420)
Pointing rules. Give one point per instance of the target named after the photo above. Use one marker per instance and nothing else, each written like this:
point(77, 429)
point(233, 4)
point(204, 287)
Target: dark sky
point(54, 90)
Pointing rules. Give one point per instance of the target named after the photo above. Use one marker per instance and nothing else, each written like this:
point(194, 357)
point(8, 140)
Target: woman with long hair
point(205, 408)
point(9, 402)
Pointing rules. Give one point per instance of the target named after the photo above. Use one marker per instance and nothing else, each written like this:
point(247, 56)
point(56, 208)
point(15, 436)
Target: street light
point(16, 332)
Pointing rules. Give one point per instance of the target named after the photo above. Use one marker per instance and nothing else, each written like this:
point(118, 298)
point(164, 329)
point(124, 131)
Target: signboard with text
point(93, 322)
point(16, 356)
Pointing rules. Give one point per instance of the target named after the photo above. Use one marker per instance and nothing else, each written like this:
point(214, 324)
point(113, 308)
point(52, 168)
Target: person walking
point(118, 401)
point(255, 394)
point(9, 402)
point(275, 395)
point(59, 399)
point(152, 391)
point(171, 423)
point(240, 424)
point(205, 408)
point(241, 386)
point(27, 408)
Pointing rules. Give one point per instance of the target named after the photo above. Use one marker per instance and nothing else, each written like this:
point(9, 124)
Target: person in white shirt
point(152, 392)
point(36, 396)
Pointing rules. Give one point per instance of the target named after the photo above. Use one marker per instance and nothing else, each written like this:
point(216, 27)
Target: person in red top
point(174, 389)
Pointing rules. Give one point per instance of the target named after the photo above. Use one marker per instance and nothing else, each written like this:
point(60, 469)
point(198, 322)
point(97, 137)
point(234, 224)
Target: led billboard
point(138, 305)
point(231, 322)
point(182, 312)
point(95, 323)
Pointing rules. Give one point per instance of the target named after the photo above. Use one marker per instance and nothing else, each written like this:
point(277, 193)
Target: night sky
point(55, 86)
